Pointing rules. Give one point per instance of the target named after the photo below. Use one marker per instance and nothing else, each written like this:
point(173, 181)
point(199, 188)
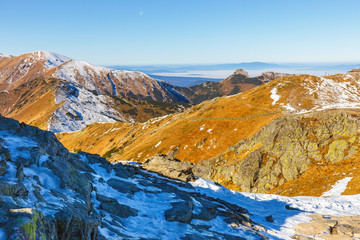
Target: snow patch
point(338, 188)
point(262, 205)
point(80, 108)
point(274, 96)
point(52, 59)
point(157, 144)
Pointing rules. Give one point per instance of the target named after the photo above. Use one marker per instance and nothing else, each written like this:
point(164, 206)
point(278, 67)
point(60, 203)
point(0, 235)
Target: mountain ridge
point(83, 93)
point(208, 129)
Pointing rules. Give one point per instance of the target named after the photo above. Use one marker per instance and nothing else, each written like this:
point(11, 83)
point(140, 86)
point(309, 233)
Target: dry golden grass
point(32, 103)
point(320, 178)
point(201, 132)
point(38, 112)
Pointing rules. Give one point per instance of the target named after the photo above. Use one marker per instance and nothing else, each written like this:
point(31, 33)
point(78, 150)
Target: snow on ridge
point(51, 59)
point(328, 93)
point(81, 107)
point(274, 96)
point(338, 188)
point(74, 69)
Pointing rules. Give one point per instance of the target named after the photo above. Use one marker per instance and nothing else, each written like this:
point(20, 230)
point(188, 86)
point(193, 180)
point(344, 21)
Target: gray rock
point(170, 167)
point(180, 211)
point(3, 167)
point(208, 210)
point(20, 174)
point(118, 209)
point(269, 218)
point(123, 186)
point(23, 161)
point(104, 199)
point(17, 190)
point(5, 154)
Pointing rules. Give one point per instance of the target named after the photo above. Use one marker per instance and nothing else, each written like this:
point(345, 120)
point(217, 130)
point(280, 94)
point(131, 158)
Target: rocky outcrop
point(283, 150)
point(170, 167)
point(47, 192)
point(329, 227)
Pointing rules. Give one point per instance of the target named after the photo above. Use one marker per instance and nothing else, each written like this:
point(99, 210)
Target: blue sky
point(184, 32)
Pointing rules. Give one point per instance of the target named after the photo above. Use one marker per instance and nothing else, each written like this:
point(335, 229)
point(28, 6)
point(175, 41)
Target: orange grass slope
point(209, 128)
point(32, 102)
point(199, 133)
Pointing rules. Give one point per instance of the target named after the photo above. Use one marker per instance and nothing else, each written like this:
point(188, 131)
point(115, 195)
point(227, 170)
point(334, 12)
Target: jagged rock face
point(283, 150)
point(269, 76)
point(170, 167)
point(48, 193)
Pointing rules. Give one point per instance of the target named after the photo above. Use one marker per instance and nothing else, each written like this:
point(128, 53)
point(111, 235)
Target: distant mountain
point(237, 82)
point(151, 69)
point(184, 81)
point(78, 93)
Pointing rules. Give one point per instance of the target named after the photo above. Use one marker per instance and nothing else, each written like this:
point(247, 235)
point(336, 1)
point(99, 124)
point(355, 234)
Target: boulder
point(118, 209)
point(181, 211)
point(208, 210)
point(104, 199)
point(348, 230)
point(123, 186)
point(17, 190)
point(28, 223)
point(170, 167)
point(334, 237)
point(312, 228)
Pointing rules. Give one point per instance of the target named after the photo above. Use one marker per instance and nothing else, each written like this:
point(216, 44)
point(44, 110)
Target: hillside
point(303, 154)
point(239, 81)
point(208, 129)
point(46, 192)
point(78, 94)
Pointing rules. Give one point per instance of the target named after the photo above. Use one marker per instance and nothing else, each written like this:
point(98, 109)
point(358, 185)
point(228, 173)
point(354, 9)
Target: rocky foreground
point(48, 193)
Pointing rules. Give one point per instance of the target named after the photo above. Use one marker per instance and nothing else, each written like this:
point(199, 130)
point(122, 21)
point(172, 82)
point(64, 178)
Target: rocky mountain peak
point(51, 59)
point(241, 71)
point(269, 76)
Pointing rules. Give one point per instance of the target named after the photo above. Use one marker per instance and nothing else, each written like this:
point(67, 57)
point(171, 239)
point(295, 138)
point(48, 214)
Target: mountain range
point(78, 93)
point(301, 121)
point(267, 157)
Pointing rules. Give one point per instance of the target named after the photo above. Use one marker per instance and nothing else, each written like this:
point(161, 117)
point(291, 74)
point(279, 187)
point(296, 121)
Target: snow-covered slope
point(306, 93)
point(59, 195)
point(51, 59)
point(80, 108)
point(116, 82)
point(47, 191)
point(17, 70)
point(285, 220)
point(99, 91)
